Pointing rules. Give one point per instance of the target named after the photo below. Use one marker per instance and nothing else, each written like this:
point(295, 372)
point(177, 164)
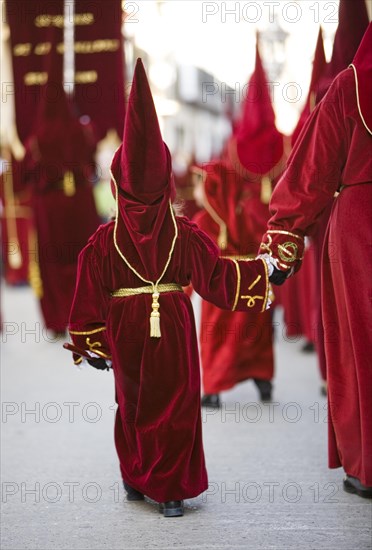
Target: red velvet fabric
point(335, 148)
point(234, 346)
point(353, 20)
point(63, 225)
point(324, 179)
point(299, 300)
point(363, 65)
point(298, 296)
point(224, 192)
point(157, 380)
point(143, 173)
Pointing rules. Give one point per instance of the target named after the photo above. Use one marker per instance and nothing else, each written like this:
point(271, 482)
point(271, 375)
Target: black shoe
point(353, 485)
point(265, 388)
point(58, 334)
point(172, 508)
point(308, 347)
point(132, 494)
point(323, 389)
point(211, 400)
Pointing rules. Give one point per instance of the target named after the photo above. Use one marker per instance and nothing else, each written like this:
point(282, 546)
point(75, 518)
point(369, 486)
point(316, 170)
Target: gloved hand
point(285, 248)
point(278, 277)
point(99, 364)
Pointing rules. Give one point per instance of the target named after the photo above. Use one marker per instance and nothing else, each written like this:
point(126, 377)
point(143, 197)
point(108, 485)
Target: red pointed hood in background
point(142, 171)
point(362, 65)
point(59, 139)
point(257, 144)
point(319, 65)
point(352, 23)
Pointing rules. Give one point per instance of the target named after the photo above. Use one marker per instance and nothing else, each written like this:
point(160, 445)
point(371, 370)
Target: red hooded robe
point(352, 24)
point(234, 346)
point(299, 296)
point(157, 379)
point(59, 164)
point(334, 152)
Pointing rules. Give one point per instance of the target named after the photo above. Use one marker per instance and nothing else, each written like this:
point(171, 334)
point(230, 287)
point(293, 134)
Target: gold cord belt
point(166, 287)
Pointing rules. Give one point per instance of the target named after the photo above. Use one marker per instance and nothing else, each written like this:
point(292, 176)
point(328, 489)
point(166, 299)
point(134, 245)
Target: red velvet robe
point(158, 431)
point(335, 149)
point(236, 346)
point(16, 229)
point(298, 298)
point(63, 225)
point(63, 222)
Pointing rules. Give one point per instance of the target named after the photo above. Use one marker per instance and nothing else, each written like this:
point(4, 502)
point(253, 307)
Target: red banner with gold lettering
point(99, 63)
point(35, 28)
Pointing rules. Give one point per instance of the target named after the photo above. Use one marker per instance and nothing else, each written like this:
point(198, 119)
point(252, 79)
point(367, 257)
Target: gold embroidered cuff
point(87, 333)
point(260, 284)
point(285, 247)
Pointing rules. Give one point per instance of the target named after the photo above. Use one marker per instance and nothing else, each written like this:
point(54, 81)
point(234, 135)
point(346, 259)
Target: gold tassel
point(155, 317)
point(10, 215)
point(35, 278)
point(266, 190)
point(222, 237)
point(34, 275)
point(69, 184)
point(15, 259)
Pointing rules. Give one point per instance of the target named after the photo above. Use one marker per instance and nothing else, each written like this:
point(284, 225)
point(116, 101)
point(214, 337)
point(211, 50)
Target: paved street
point(269, 483)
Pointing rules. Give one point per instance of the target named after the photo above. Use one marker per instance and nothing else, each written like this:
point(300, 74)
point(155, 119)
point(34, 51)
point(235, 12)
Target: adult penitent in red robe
point(234, 346)
point(238, 190)
point(60, 169)
point(332, 154)
point(129, 269)
point(300, 295)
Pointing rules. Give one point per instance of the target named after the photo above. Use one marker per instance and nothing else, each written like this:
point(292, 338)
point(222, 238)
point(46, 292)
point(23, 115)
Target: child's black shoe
point(211, 400)
point(132, 494)
point(172, 508)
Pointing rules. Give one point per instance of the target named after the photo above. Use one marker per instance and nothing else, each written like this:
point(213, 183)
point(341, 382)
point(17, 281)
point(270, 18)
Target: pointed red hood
point(352, 24)
point(319, 65)
point(142, 171)
point(59, 140)
point(362, 65)
point(259, 145)
point(142, 163)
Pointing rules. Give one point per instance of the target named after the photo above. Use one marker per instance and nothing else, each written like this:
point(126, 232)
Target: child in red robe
point(129, 307)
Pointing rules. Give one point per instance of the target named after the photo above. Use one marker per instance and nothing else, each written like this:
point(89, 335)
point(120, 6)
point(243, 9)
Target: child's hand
point(278, 277)
point(99, 364)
